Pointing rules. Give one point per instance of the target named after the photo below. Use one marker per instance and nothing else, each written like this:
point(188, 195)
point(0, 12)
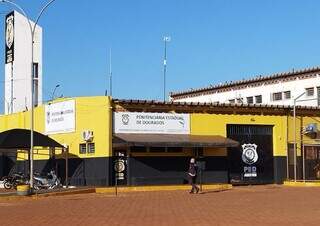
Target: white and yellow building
point(148, 142)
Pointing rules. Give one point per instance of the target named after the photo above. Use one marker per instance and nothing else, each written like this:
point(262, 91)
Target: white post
point(294, 142)
point(303, 164)
point(294, 137)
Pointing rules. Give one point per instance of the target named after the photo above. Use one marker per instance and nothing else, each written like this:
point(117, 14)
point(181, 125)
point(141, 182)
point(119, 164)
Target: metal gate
point(252, 161)
point(312, 162)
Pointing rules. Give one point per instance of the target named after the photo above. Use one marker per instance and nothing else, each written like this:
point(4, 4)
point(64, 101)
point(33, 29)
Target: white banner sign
point(60, 117)
point(143, 122)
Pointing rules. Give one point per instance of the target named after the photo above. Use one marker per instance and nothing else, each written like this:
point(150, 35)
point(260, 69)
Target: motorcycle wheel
point(36, 186)
point(7, 185)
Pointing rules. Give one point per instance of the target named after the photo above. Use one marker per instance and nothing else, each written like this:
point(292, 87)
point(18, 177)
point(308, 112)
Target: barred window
point(287, 94)
point(91, 148)
point(250, 100)
point(86, 148)
point(82, 148)
point(310, 91)
point(258, 99)
point(277, 96)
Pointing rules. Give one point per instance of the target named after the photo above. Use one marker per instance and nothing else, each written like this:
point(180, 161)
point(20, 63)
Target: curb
point(101, 190)
point(62, 193)
point(11, 196)
point(218, 187)
point(301, 184)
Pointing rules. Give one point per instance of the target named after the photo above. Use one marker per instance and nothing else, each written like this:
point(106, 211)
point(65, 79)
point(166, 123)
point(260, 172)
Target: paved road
point(251, 205)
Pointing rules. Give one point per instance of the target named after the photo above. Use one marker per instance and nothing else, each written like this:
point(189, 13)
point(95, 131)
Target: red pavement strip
point(248, 205)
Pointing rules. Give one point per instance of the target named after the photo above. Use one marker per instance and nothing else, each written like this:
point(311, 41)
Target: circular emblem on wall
point(119, 166)
point(125, 119)
point(9, 31)
point(249, 153)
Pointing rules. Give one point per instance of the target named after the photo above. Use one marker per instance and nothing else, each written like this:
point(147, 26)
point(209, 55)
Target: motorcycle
point(49, 182)
point(14, 180)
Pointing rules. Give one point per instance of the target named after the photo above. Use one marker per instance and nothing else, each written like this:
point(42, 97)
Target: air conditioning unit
point(87, 135)
point(310, 128)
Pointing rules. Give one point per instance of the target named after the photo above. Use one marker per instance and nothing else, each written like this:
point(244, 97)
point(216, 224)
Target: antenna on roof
point(166, 39)
point(110, 74)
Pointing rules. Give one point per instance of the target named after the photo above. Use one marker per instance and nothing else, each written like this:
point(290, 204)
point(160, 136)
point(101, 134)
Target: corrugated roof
point(255, 79)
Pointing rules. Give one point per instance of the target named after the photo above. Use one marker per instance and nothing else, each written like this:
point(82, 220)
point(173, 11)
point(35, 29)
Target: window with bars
point(250, 100)
point(277, 96)
point(36, 83)
point(310, 91)
point(287, 95)
point(258, 99)
point(82, 148)
point(91, 148)
point(86, 148)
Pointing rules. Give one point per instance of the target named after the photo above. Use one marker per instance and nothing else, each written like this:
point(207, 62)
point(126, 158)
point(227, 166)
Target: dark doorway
point(252, 161)
point(312, 162)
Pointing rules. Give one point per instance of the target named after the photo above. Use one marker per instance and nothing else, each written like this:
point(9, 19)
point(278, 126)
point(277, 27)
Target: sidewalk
point(12, 194)
point(241, 206)
point(161, 188)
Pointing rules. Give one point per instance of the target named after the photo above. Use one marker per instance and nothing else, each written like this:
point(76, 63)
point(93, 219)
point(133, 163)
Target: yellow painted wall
point(92, 113)
point(216, 124)
point(95, 113)
point(302, 122)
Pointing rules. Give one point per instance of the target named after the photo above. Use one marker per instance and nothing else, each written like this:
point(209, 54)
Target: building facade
point(148, 142)
point(277, 89)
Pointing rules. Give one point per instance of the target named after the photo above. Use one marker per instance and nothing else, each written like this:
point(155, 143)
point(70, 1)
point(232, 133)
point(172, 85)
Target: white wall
point(22, 66)
point(296, 87)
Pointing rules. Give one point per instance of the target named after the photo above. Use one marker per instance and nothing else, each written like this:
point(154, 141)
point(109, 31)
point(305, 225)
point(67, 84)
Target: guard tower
point(18, 47)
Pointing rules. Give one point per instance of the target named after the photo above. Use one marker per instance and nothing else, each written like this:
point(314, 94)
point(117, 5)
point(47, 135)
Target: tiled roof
point(247, 81)
point(207, 104)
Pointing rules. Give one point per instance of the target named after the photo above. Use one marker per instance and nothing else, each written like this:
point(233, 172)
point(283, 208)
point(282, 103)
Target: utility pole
point(110, 72)
point(165, 39)
point(294, 136)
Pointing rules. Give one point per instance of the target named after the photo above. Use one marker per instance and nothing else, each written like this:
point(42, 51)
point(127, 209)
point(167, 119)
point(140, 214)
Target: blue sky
point(211, 42)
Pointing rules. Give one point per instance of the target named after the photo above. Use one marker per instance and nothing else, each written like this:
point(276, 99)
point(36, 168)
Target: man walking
point(192, 174)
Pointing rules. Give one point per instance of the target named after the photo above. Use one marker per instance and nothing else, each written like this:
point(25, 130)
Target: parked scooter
point(14, 180)
point(49, 182)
